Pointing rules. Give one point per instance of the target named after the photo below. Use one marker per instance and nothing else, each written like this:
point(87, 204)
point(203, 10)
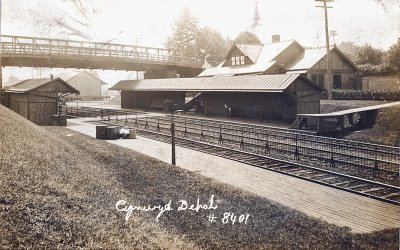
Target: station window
point(318, 79)
point(337, 81)
point(237, 60)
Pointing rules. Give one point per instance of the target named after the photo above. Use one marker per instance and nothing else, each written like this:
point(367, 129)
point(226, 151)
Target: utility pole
point(328, 49)
point(333, 33)
point(136, 40)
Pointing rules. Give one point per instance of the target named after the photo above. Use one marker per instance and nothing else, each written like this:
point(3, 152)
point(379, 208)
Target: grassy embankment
point(59, 188)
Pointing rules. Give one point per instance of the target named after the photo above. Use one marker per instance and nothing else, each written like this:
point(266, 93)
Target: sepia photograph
point(200, 124)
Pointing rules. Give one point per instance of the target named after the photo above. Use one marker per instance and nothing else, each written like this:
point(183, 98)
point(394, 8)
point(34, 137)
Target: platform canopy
point(245, 83)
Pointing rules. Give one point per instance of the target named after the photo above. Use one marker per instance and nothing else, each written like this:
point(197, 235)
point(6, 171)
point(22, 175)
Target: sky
point(150, 22)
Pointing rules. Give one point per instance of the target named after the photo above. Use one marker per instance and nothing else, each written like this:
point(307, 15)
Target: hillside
point(59, 188)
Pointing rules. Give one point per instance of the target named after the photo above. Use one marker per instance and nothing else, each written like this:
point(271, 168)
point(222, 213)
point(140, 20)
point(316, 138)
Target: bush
point(376, 70)
point(376, 95)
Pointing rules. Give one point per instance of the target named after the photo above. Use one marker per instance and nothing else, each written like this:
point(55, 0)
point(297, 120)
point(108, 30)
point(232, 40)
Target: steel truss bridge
point(23, 51)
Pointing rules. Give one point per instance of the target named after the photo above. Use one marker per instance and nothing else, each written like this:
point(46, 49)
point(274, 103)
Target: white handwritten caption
point(184, 205)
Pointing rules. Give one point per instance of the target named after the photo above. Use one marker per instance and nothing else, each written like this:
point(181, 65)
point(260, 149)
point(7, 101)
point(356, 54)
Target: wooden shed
point(37, 99)
point(279, 96)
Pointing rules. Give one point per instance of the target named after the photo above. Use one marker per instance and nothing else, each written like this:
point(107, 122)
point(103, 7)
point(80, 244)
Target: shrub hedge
point(377, 95)
point(376, 70)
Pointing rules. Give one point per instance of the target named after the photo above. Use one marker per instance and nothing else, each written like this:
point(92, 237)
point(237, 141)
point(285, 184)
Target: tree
point(246, 37)
point(188, 40)
point(393, 56)
point(369, 55)
point(350, 49)
point(256, 18)
point(183, 40)
point(212, 45)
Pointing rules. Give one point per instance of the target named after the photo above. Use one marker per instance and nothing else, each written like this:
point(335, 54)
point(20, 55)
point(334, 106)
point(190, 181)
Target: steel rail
point(326, 152)
point(283, 167)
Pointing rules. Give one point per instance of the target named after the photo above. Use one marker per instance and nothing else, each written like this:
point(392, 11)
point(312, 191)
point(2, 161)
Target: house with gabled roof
point(89, 86)
point(288, 57)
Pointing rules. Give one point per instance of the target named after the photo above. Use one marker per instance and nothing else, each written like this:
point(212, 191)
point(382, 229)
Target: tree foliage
point(372, 61)
point(185, 32)
point(256, 18)
point(350, 49)
point(247, 37)
point(393, 56)
point(212, 45)
point(369, 55)
point(375, 70)
point(189, 40)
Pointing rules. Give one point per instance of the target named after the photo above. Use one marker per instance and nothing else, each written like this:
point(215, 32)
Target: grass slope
point(59, 188)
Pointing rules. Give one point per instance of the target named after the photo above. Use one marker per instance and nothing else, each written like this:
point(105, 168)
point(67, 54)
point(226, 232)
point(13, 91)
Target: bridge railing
point(21, 45)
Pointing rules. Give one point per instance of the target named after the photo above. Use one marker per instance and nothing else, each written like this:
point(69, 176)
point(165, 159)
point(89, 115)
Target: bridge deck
point(22, 51)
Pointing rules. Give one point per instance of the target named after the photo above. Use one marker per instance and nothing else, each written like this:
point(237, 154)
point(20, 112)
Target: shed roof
point(312, 56)
point(30, 85)
point(245, 83)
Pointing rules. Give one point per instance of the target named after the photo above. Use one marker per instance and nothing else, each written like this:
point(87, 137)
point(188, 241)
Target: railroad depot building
point(37, 99)
point(288, 57)
point(278, 96)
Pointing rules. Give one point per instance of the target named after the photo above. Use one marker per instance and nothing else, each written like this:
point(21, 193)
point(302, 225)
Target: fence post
point(376, 167)
point(185, 134)
point(332, 163)
point(241, 141)
point(173, 143)
point(220, 140)
point(201, 134)
point(146, 125)
point(296, 152)
point(266, 148)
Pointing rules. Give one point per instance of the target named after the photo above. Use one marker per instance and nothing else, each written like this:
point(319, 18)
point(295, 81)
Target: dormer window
point(237, 60)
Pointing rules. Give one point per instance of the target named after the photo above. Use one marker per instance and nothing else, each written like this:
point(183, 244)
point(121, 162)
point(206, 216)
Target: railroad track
point(83, 111)
point(372, 189)
point(376, 158)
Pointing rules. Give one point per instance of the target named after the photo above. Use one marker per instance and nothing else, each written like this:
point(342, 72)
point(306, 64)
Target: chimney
point(276, 38)
point(51, 76)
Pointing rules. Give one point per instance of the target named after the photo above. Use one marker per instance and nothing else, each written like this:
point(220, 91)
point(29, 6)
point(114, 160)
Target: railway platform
point(356, 118)
point(361, 214)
